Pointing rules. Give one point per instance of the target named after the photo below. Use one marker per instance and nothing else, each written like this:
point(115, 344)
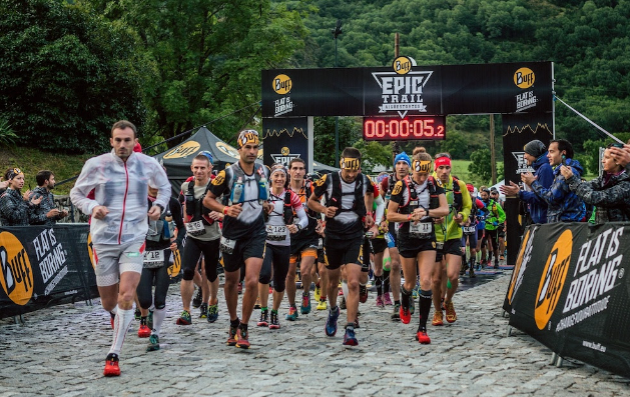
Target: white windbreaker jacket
point(122, 187)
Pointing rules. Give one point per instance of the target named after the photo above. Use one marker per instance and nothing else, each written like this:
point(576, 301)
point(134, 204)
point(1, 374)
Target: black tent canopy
point(178, 159)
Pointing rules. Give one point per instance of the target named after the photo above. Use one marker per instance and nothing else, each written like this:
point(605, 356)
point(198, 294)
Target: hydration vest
point(195, 208)
point(237, 172)
point(458, 201)
point(335, 198)
point(161, 229)
point(408, 206)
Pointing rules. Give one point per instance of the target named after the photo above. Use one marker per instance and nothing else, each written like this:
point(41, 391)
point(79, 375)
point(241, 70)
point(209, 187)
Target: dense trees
point(69, 68)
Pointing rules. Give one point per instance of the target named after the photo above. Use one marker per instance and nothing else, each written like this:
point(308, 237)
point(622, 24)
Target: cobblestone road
point(61, 350)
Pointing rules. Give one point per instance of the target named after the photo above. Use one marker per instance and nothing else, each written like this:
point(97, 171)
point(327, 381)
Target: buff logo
point(17, 275)
point(421, 166)
point(282, 84)
point(596, 271)
point(554, 276)
point(402, 93)
point(402, 65)
point(184, 150)
point(524, 78)
point(350, 164)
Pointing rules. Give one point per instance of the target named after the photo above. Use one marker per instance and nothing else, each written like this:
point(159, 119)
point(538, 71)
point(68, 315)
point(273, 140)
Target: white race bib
point(276, 233)
point(421, 229)
point(153, 259)
point(227, 245)
point(469, 229)
point(192, 227)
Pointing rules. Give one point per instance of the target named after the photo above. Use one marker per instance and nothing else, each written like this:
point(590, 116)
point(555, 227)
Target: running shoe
point(293, 314)
point(422, 337)
point(111, 365)
point(342, 304)
point(306, 304)
point(405, 315)
point(204, 310)
point(483, 262)
point(387, 300)
point(437, 318)
point(213, 313)
point(232, 336)
point(496, 264)
point(264, 318)
point(363, 293)
point(242, 338)
point(150, 319)
point(154, 343)
point(451, 316)
point(196, 302)
point(502, 257)
point(349, 338)
point(322, 305)
point(396, 313)
point(471, 273)
point(275, 323)
point(184, 319)
point(318, 292)
point(331, 322)
point(415, 292)
point(379, 301)
point(144, 331)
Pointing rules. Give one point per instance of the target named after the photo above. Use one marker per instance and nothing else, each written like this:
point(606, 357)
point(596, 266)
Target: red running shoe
point(405, 315)
point(422, 337)
point(111, 365)
point(242, 338)
point(144, 331)
point(232, 336)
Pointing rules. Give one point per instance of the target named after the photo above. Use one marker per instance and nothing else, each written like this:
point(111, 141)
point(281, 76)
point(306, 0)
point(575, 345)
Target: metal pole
point(336, 119)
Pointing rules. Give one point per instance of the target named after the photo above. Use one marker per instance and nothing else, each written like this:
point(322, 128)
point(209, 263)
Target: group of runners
point(265, 222)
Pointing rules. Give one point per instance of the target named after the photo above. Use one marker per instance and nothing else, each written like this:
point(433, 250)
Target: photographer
point(610, 192)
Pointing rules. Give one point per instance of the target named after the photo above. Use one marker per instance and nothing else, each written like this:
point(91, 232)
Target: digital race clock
point(407, 128)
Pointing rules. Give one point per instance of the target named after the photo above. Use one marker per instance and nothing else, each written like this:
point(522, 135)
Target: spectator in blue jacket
point(536, 157)
point(563, 205)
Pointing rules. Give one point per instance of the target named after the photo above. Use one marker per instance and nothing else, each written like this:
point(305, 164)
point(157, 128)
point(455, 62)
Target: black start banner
point(284, 140)
point(570, 290)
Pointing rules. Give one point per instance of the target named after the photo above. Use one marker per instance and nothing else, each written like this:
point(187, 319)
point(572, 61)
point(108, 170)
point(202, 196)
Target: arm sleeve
point(83, 186)
point(380, 209)
point(296, 203)
point(467, 201)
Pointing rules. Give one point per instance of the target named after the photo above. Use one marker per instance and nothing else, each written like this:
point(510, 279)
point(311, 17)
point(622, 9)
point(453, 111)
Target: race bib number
point(469, 229)
point(227, 245)
point(421, 229)
point(195, 228)
point(153, 259)
point(276, 233)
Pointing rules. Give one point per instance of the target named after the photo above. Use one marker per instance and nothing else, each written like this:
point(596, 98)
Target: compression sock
point(386, 287)
point(121, 324)
point(425, 302)
point(158, 318)
point(378, 280)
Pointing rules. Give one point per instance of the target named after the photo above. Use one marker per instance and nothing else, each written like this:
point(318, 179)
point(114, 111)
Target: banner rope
point(589, 121)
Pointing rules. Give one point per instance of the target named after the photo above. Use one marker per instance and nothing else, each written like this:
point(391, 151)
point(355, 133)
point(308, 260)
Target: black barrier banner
point(42, 264)
point(524, 87)
point(284, 140)
point(570, 290)
point(518, 130)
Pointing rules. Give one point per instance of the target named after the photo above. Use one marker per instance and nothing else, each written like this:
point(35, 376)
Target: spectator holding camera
point(610, 192)
point(536, 157)
point(16, 208)
point(563, 205)
point(46, 213)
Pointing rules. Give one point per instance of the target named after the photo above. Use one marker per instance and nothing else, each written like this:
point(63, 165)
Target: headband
point(442, 161)
point(278, 168)
point(248, 137)
point(14, 172)
point(422, 166)
point(349, 163)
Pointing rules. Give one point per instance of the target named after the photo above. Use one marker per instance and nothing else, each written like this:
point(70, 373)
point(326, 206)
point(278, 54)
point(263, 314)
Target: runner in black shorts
point(349, 195)
point(414, 202)
point(244, 188)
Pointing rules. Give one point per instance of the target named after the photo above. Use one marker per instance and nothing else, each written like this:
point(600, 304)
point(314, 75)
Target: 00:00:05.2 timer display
point(411, 127)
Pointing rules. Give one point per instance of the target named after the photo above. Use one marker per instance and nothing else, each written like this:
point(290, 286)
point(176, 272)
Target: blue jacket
point(537, 207)
point(563, 205)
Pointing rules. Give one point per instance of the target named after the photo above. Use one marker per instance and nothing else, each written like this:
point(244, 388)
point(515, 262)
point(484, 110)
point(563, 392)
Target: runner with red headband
point(449, 239)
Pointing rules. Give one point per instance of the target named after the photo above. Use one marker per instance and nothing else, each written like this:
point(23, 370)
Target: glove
point(495, 223)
